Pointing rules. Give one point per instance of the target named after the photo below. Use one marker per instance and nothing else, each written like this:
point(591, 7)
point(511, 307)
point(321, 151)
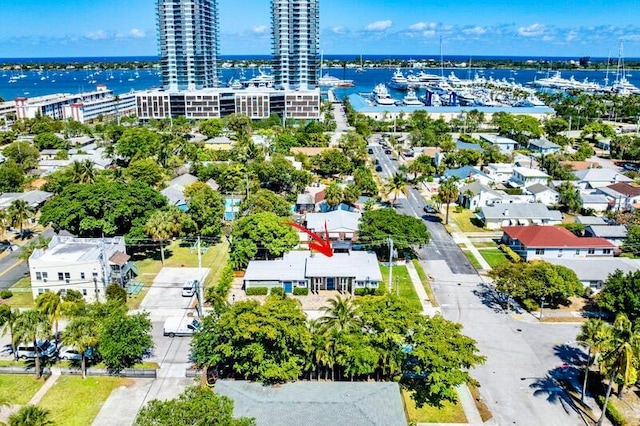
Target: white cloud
point(339, 30)
point(379, 25)
point(429, 33)
point(96, 35)
point(419, 26)
point(137, 33)
point(572, 35)
point(533, 30)
point(475, 30)
point(260, 29)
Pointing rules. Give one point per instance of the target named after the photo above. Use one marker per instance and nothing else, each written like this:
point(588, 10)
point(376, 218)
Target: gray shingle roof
point(538, 188)
point(590, 220)
point(520, 211)
point(601, 175)
point(607, 231)
point(543, 144)
point(594, 269)
point(317, 403)
point(337, 220)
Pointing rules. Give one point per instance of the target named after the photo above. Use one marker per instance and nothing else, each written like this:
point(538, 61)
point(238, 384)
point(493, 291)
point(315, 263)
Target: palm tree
point(50, 304)
point(594, 334)
point(83, 333)
point(19, 213)
point(397, 185)
point(31, 415)
point(339, 315)
point(30, 326)
point(448, 192)
point(4, 219)
point(83, 171)
point(621, 350)
point(161, 226)
point(8, 318)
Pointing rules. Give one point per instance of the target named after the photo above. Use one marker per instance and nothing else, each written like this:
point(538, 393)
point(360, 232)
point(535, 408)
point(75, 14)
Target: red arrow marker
point(319, 244)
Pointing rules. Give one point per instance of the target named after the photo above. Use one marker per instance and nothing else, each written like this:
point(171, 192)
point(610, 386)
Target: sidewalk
point(427, 306)
point(55, 375)
point(461, 238)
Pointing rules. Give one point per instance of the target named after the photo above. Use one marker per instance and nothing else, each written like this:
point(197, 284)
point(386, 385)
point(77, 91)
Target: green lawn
point(494, 257)
point(472, 259)
point(425, 282)
point(449, 413)
point(75, 401)
point(402, 285)
point(19, 388)
point(22, 297)
point(466, 220)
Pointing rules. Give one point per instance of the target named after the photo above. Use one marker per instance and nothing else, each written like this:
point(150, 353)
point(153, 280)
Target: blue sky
point(46, 28)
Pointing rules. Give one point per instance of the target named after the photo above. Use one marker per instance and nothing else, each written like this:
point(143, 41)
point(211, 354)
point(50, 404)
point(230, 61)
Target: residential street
point(524, 357)
point(12, 268)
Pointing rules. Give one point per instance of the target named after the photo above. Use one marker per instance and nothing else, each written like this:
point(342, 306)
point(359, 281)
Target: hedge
point(300, 291)
point(279, 291)
point(363, 291)
point(512, 255)
point(257, 291)
point(6, 294)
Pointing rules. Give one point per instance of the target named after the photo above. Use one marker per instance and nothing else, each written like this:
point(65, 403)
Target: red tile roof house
point(552, 242)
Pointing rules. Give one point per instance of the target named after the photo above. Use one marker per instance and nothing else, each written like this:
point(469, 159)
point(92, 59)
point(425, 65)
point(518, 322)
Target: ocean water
point(38, 83)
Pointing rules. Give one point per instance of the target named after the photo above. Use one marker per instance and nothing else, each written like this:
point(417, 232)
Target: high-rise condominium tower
point(295, 31)
point(188, 39)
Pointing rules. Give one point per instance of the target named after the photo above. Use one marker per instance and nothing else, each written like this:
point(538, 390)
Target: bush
point(458, 209)
point(511, 255)
point(6, 294)
point(278, 291)
point(116, 293)
point(300, 291)
point(257, 291)
point(530, 305)
point(612, 412)
point(368, 291)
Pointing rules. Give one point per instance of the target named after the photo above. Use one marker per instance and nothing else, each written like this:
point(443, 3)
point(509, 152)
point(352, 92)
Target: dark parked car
point(387, 151)
point(378, 168)
point(429, 209)
point(370, 150)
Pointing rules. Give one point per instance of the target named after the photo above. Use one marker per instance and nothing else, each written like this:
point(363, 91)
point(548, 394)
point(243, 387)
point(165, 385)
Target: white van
point(189, 288)
point(180, 326)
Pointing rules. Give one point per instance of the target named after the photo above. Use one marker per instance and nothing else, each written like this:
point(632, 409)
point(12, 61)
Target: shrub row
point(512, 255)
point(300, 291)
point(6, 294)
point(257, 291)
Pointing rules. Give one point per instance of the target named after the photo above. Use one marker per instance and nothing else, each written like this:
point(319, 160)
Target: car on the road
point(370, 150)
point(189, 288)
point(387, 151)
point(429, 209)
point(378, 168)
point(376, 162)
point(46, 349)
point(70, 353)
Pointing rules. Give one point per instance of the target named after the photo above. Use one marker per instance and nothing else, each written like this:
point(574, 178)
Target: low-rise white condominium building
point(86, 265)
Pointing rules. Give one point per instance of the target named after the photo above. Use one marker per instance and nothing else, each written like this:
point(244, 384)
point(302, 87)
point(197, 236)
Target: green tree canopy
point(406, 231)
point(632, 243)
point(137, 142)
point(206, 208)
point(332, 162)
point(144, 170)
point(196, 406)
point(23, 154)
point(11, 177)
point(109, 208)
point(621, 294)
point(124, 339)
point(264, 200)
point(569, 197)
point(50, 141)
point(211, 128)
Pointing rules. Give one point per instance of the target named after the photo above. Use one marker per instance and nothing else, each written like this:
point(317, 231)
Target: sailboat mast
point(606, 76)
point(441, 60)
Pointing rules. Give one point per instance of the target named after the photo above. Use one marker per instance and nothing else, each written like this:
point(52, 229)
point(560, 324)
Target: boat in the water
point(331, 81)
point(399, 81)
point(411, 99)
point(381, 96)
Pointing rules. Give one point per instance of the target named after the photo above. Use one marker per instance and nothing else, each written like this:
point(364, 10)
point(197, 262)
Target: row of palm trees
point(30, 326)
point(615, 349)
point(18, 213)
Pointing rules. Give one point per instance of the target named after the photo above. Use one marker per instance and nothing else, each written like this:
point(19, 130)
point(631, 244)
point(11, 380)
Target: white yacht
point(381, 96)
point(411, 99)
point(399, 81)
point(331, 81)
point(261, 80)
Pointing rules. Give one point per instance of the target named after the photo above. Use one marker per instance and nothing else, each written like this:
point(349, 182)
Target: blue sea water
point(37, 83)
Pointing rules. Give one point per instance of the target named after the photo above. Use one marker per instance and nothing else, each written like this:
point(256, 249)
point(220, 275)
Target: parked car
point(46, 348)
point(180, 326)
point(370, 150)
point(72, 354)
point(189, 288)
point(378, 168)
point(387, 151)
point(429, 209)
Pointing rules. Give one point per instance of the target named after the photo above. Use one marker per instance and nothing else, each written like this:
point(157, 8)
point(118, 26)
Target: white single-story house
point(542, 194)
point(594, 272)
point(524, 177)
point(87, 265)
point(595, 202)
point(500, 215)
point(506, 145)
point(499, 172)
point(544, 242)
point(474, 195)
point(34, 199)
point(543, 146)
point(615, 234)
point(343, 272)
point(598, 178)
point(175, 190)
point(342, 225)
point(623, 195)
point(591, 220)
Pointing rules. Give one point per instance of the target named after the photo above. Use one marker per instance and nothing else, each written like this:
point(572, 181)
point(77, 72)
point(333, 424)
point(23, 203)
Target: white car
point(189, 288)
point(70, 353)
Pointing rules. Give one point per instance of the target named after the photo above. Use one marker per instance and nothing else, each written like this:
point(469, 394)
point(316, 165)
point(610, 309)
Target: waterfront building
point(188, 43)
point(82, 107)
point(295, 31)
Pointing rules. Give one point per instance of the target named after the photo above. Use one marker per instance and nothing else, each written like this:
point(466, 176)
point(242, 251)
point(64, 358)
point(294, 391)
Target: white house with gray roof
point(542, 194)
point(495, 217)
point(34, 199)
point(596, 202)
point(524, 177)
point(598, 178)
point(615, 234)
point(342, 225)
point(175, 190)
point(343, 272)
point(543, 146)
point(593, 272)
point(506, 145)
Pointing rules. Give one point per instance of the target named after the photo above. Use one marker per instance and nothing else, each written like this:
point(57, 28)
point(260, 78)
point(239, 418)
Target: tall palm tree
point(339, 315)
point(83, 171)
point(621, 350)
point(161, 226)
point(397, 185)
point(593, 335)
point(83, 333)
point(31, 415)
point(448, 193)
point(8, 318)
point(4, 219)
point(50, 304)
point(30, 326)
point(19, 213)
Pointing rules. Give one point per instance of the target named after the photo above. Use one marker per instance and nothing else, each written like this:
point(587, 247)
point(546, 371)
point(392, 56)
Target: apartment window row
point(62, 276)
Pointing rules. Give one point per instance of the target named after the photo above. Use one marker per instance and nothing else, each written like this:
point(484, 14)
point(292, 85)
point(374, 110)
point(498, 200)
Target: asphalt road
point(12, 268)
point(525, 359)
point(441, 246)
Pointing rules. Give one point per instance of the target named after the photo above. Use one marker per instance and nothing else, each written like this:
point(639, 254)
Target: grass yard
point(19, 388)
point(76, 401)
point(177, 255)
point(22, 297)
point(472, 259)
point(449, 413)
point(404, 285)
point(466, 220)
point(494, 257)
point(425, 282)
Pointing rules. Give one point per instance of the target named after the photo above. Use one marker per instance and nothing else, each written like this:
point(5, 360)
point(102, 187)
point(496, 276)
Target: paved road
point(11, 268)
point(519, 379)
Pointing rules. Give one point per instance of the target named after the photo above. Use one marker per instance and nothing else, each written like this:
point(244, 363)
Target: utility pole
point(390, 242)
point(105, 266)
point(200, 284)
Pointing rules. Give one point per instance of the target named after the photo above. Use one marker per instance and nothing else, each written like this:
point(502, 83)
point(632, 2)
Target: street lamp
point(541, 306)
